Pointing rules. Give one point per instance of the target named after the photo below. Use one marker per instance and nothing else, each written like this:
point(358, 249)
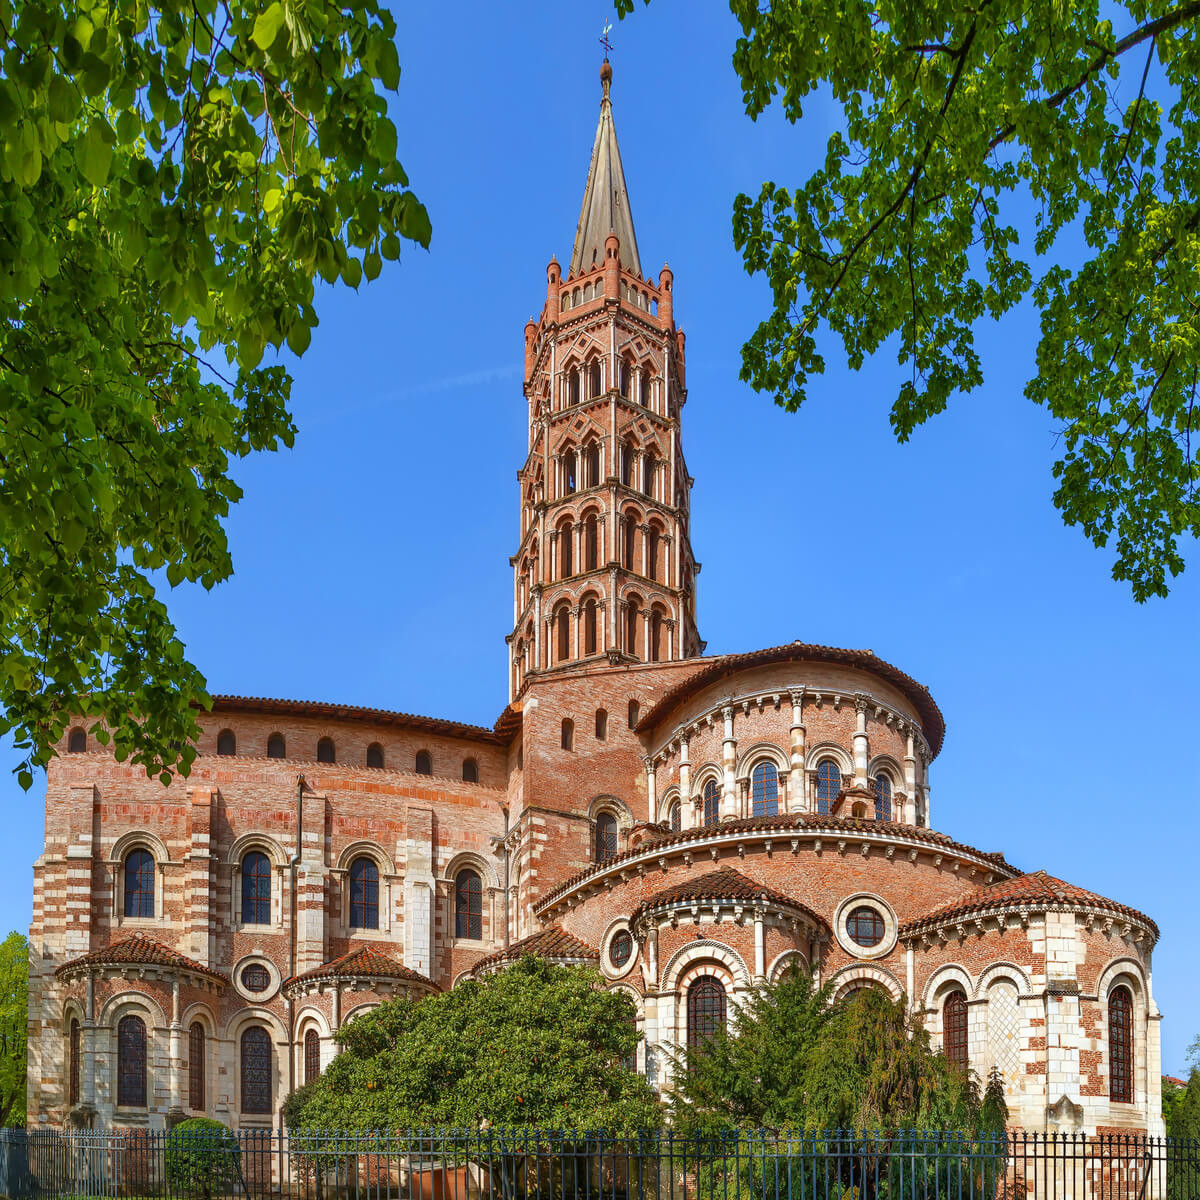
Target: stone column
point(760, 963)
point(797, 801)
point(175, 1111)
point(728, 765)
point(862, 745)
point(87, 1049)
point(686, 820)
point(910, 777)
point(199, 892)
point(419, 890)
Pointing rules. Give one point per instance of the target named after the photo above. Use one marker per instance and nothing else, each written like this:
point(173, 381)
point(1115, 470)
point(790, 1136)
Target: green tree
point(975, 141)
point(1181, 1105)
point(794, 1059)
point(14, 1027)
point(174, 177)
point(532, 1045)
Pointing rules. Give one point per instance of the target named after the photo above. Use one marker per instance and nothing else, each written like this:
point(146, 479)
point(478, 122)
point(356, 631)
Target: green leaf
point(267, 26)
point(93, 153)
point(298, 337)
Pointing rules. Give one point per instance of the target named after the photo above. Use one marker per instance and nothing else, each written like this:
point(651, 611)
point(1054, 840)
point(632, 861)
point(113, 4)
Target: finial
point(606, 66)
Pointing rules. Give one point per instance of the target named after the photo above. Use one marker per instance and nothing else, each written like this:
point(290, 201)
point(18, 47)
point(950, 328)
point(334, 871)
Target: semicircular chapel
point(690, 825)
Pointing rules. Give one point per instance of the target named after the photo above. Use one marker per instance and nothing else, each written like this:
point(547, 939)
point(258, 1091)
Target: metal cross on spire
point(604, 38)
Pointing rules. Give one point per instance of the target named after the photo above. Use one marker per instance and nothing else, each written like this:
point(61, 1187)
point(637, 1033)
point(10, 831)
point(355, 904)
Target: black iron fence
point(570, 1165)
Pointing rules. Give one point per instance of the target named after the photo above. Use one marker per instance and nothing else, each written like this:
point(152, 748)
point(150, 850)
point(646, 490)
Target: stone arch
point(703, 774)
point(360, 1010)
point(257, 841)
point(638, 999)
point(679, 965)
point(139, 839)
point(783, 960)
point(839, 754)
point(1001, 970)
point(130, 1000)
point(468, 858)
point(1122, 969)
point(368, 849)
point(760, 750)
point(856, 974)
point(888, 764)
point(606, 802)
point(943, 980)
point(199, 1010)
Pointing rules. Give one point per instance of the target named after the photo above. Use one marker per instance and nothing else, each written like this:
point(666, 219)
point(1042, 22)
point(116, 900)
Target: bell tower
point(604, 572)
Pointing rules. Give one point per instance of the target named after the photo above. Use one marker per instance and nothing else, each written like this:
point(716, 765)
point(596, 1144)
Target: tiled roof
point(783, 822)
point(722, 884)
point(139, 950)
point(932, 721)
point(364, 963)
point(553, 942)
point(1036, 888)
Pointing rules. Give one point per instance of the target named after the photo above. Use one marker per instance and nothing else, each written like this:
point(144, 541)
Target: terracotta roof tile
point(553, 942)
point(364, 963)
point(722, 884)
point(1036, 888)
point(139, 950)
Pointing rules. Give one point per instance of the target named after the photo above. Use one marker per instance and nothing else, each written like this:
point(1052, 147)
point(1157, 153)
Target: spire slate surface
point(605, 199)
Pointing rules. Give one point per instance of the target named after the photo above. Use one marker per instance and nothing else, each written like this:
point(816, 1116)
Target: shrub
point(201, 1158)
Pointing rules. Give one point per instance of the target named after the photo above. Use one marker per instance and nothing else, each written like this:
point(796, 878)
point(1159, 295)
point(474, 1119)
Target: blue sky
point(372, 560)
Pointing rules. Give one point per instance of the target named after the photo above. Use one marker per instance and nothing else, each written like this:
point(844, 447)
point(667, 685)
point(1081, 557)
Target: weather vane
point(604, 39)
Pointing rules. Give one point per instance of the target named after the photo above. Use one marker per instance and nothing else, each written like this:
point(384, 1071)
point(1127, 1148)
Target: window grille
point(256, 1071)
point(764, 790)
point(705, 1009)
point(620, 949)
point(881, 786)
point(131, 1062)
point(606, 837)
point(256, 978)
point(312, 1055)
point(73, 1065)
point(196, 1067)
point(364, 894)
point(712, 802)
point(954, 1029)
point(865, 926)
point(256, 889)
point(468, 905)
point(139, 884)
point(1120, 1045)
point(829, 784)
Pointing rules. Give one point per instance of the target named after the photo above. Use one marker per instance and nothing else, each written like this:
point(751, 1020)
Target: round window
point(256, 978)
point(620, 949)
point(865, 926)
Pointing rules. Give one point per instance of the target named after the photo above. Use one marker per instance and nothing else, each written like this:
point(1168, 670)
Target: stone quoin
point(688, 824)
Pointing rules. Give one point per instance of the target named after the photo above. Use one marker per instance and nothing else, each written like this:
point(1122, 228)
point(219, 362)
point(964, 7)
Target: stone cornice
point(940, 931)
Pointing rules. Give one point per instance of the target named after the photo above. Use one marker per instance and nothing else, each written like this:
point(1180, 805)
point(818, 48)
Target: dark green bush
point(201, 1158)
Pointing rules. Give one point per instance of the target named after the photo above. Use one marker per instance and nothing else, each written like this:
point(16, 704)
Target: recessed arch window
point(649, 466)
point(645, 388)
point(256, 1071)
point(881, 786)
point(865, 926)
point(829, 784)
point(623, 373)
point(591, 542)
point(631, 623)
point(954, 1028)
point(364, 893)
point(627, 453)
point(276, 746)
point(591, 458)
point(711, 797)
point(226, 742)
point(1120, 1045)
point(374, 755)
point(131, 1062)
point(594, 383)
point(606, 837)
point(705, 1009)
point(634, 710)
point(423, 764)
point(326, 752)
point(629, 534)
point(73, 1063)
point(620, 949)
point(256, 889)
point(77, 741)
point(675, 817)
point(568, 472)
point(574, 388)
point(312, 1054)
point(656, 630)
point(589, 626)
point(566, 540)
point(139, 883)
point(468, 904)
point(764, 789)
point(567, 738)
point(653, 536)
point(470, 771)
point(601, 724)
point(563, 626)
point(196, 1067)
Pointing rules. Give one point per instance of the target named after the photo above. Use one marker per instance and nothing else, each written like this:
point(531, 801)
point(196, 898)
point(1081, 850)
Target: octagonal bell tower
point(604, 571)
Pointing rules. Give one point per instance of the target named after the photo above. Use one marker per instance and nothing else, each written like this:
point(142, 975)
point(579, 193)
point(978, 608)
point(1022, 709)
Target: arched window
point(424, 763)
point(276, 746)
point(601, 724)
point(312, 1054)
point(764, 790)
point(705, 1009)
point(468, 905)
point(226, 742)
point(256, 1071)
point(606, 837)
point(364, 894)
point(139, 884)
point(634, 711)
point(77, 741)
point(1120, 1045)
point(594, 380)
point(954, 1028)
point(589, 627)
point(574, 375)
point(652, 539)
point(566, 540)
point(649, 465)
point(829, 784)
point(196, 1067)
point(623, 378)
point(675, 817)
point(628, 536)
point(645, 388)
point(568, 734)
point(374, 755)
point(712, 802)
point(568, 472)
point(627, 463)
point(562, 621)
point(656, 621)
point(131, 1062)
point(256, 889)
point(73, 1064)
point(470, 772)
point(631, 623)
point(591, 542)
point(881, 785)
point(591, 457)
point(325, 751)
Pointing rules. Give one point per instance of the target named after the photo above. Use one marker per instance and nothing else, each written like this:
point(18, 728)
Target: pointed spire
point(606, 199)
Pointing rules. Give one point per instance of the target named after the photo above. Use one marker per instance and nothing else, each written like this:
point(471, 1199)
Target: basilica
point(687, 824)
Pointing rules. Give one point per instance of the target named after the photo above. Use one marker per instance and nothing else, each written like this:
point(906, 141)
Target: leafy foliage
point(14, 1027)
point(173, 179)
point(201, 1158)
point(1181, 1105)
point(795, 1059)
point(971, 135)
point(532, 1045)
